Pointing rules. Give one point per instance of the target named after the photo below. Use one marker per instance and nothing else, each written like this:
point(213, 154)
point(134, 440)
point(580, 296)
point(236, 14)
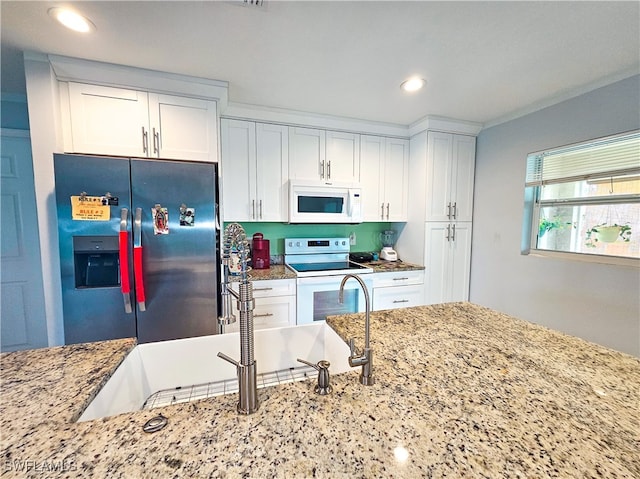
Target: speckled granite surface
point(278, 271)
point(467, 392)
point(381, 266)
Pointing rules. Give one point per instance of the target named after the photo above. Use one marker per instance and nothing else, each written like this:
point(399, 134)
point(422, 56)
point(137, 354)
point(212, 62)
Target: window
point(585, 198)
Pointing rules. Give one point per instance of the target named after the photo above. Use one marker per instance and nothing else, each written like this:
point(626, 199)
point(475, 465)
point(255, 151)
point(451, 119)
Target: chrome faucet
point(366, 358)
point(235, 238)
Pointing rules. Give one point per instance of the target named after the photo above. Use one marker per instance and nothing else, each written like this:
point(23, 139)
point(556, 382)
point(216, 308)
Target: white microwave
point(324, 202)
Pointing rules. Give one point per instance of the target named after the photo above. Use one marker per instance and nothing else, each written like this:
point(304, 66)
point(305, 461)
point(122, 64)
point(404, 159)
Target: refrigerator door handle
point(137, 259)
point(125, 287)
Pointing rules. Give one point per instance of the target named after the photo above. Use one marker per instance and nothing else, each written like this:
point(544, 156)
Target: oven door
point(318, 297)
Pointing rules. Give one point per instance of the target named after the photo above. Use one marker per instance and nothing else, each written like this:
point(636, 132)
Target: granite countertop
point(276, 271)
point(466, 391)
point(382, 266)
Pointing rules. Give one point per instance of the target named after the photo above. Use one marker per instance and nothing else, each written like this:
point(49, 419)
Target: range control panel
point(315, 245)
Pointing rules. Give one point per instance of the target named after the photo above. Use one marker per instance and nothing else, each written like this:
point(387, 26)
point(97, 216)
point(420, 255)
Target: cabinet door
point(396, 180)
point(106, 120)
point(439, 173)
point(306, 153)
point(398, 278)
point(182, 128)
point(238, 170)
point(272, 172)
point(397, 297)
point(437, 250)
point(460, 261)
point(343, 157)
point(464, 154)
point(372, 157)
point(269, 312)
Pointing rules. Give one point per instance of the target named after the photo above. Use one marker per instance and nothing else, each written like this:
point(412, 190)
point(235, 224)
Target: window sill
point(586, 258)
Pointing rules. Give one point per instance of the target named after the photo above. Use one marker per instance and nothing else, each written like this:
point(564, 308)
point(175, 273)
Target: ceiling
point(483, 61)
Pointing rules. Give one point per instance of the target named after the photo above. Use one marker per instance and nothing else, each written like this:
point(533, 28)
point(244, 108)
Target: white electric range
point(320, 264)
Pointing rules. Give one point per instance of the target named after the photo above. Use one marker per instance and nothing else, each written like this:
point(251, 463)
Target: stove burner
point(332, 266)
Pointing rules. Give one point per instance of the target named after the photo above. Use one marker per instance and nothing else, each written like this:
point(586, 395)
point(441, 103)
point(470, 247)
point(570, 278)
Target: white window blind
point(606, 157)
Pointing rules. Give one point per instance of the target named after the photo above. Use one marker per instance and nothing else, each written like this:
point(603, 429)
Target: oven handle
point(333, 281)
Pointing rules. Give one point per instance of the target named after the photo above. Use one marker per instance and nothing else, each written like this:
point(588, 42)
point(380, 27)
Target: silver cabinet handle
point(400, 301)
point(260, 209)
point(329, 170)
point(253, 209)
point(322, 169)
point(455, 210)
point(400, 279)
point(265, 315)
point(382, 211)
point(145, 141)
point(156, 142)
point(261, 289)
point(387, 210)
point(453, 234)
point(448, 232)
point(449, 210)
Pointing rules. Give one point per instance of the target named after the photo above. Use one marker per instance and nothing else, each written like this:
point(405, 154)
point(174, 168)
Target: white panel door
point(464, 154)
point(372, 152)
point(439, 172)
point(22, 320)
point(109, 121)
point(238, 170)
point(182, 128)
point(396, 179)
point(460, 261)
point(437, 267)
point(306, 153)
point(343, 157)
point(272, 172)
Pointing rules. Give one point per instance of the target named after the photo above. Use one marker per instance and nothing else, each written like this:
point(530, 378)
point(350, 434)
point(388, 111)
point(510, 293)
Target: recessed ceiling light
point(71, 19)
point(413, 84)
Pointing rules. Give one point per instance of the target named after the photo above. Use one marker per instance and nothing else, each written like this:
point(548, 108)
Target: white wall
point(597, 302)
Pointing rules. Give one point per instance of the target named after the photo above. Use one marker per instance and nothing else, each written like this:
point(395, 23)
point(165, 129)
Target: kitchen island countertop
point(461, 391)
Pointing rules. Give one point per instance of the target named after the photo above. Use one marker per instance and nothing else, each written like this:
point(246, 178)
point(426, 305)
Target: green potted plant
point(607, 234)
point(548, 225)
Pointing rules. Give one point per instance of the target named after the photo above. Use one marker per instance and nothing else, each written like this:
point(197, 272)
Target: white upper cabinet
point(182, 128)
point(254, 171)
point(343, 157)
point(238, 169)
point(324, 155)
point(122, 122)
point(110, 121)
point(384, 178)
point(450, 177)
point(272, 172)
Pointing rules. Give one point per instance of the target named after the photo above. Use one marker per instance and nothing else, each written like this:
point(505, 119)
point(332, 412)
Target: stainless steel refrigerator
point(139, 248)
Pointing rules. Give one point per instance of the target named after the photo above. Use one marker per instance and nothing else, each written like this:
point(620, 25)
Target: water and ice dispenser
point(96, 261)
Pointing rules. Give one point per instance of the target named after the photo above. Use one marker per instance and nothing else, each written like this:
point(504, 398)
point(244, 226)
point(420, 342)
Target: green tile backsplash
point(367, 234)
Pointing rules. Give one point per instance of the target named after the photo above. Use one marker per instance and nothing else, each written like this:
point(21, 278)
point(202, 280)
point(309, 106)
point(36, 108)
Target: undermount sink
point(188, 364)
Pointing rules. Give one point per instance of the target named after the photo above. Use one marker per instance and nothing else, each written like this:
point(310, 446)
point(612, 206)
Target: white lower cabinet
point(401, 289)
point(275, 305)
point(448, 253)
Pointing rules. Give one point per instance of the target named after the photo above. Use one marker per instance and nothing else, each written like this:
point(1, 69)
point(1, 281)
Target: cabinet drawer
point(398, 297)
point(274, 287)
point(398, 278)
point(272, 312)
